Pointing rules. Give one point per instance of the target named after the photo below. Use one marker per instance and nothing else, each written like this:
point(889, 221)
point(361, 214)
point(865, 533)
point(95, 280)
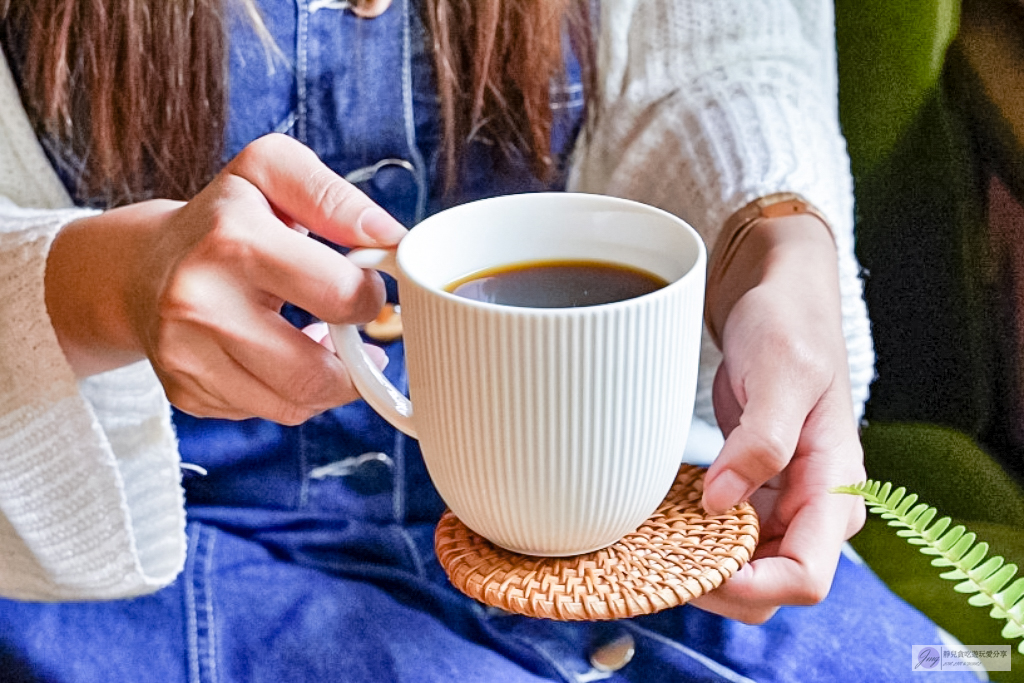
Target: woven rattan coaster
point(678, 554)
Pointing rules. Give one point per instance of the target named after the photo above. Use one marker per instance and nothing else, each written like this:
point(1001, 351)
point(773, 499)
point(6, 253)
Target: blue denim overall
point(310, 553)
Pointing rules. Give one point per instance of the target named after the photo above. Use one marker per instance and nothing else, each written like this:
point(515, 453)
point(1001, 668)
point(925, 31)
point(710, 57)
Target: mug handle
point(373, 386)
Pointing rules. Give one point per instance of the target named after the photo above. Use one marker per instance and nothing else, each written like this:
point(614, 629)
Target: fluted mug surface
point(549, 431)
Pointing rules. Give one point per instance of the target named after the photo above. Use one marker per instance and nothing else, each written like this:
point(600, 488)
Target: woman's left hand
point(783, 400)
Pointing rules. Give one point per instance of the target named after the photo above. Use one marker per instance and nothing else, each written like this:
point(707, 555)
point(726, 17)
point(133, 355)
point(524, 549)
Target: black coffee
point(556, 284)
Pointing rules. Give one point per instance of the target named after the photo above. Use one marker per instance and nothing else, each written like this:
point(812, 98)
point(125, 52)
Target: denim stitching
point(211, 625)
point(399, 491)
point(301, 68)
point(304, 468)
point(190, 613)
point(410, 120)
point(398, 453)
point(202, 666)
point(419, 566)
point(286, 126)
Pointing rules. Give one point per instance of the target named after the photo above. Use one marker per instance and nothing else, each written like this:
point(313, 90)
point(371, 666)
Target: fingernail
point(726, 491)
point(380, 227)
point(377, 355)
point(316, 331)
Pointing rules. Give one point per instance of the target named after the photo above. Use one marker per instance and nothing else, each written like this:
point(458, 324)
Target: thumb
point(759, 446)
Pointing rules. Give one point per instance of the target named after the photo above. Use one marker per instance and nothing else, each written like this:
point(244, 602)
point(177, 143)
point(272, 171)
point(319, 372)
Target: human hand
point(782, 398)
point(197, 287)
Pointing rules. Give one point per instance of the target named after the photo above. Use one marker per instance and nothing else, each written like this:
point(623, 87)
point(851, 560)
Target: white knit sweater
point(707, 106)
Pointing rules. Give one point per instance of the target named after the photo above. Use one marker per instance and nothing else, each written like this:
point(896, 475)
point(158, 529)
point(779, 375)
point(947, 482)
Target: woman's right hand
point(197, 287)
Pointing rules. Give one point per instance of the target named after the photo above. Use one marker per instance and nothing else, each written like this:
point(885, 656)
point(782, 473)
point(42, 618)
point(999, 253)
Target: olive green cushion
point(947, 470)
point(919, 213)
point(907, 108)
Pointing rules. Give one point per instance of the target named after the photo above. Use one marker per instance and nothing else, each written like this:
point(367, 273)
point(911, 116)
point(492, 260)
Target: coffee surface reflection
point(557, 284)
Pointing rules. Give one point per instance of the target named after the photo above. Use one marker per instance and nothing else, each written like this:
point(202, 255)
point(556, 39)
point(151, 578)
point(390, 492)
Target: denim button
point(368, 474)
point(387, 326)
point(370, 471)
point(366, 462)
point(368, 9)
point(614, 654)
point(397, 182)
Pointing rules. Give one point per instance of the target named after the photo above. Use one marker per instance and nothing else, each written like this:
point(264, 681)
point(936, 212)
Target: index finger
point(299, 185)
point(762, 444)
point(796, 569)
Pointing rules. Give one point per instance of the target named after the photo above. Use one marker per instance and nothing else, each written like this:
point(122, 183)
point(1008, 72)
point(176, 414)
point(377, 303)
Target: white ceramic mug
point(548, 431)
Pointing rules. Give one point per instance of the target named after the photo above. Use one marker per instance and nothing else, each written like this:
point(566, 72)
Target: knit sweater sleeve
point(707, 106)
point(91, 505)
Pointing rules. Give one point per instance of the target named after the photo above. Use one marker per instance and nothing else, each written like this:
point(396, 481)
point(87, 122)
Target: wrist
point(766, 245)
point(94, 275)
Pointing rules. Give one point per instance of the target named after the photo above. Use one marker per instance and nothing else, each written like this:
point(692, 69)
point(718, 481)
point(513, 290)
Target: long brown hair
point(131, 95)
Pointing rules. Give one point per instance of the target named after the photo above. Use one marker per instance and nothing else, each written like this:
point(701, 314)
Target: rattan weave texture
point(678, 554)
